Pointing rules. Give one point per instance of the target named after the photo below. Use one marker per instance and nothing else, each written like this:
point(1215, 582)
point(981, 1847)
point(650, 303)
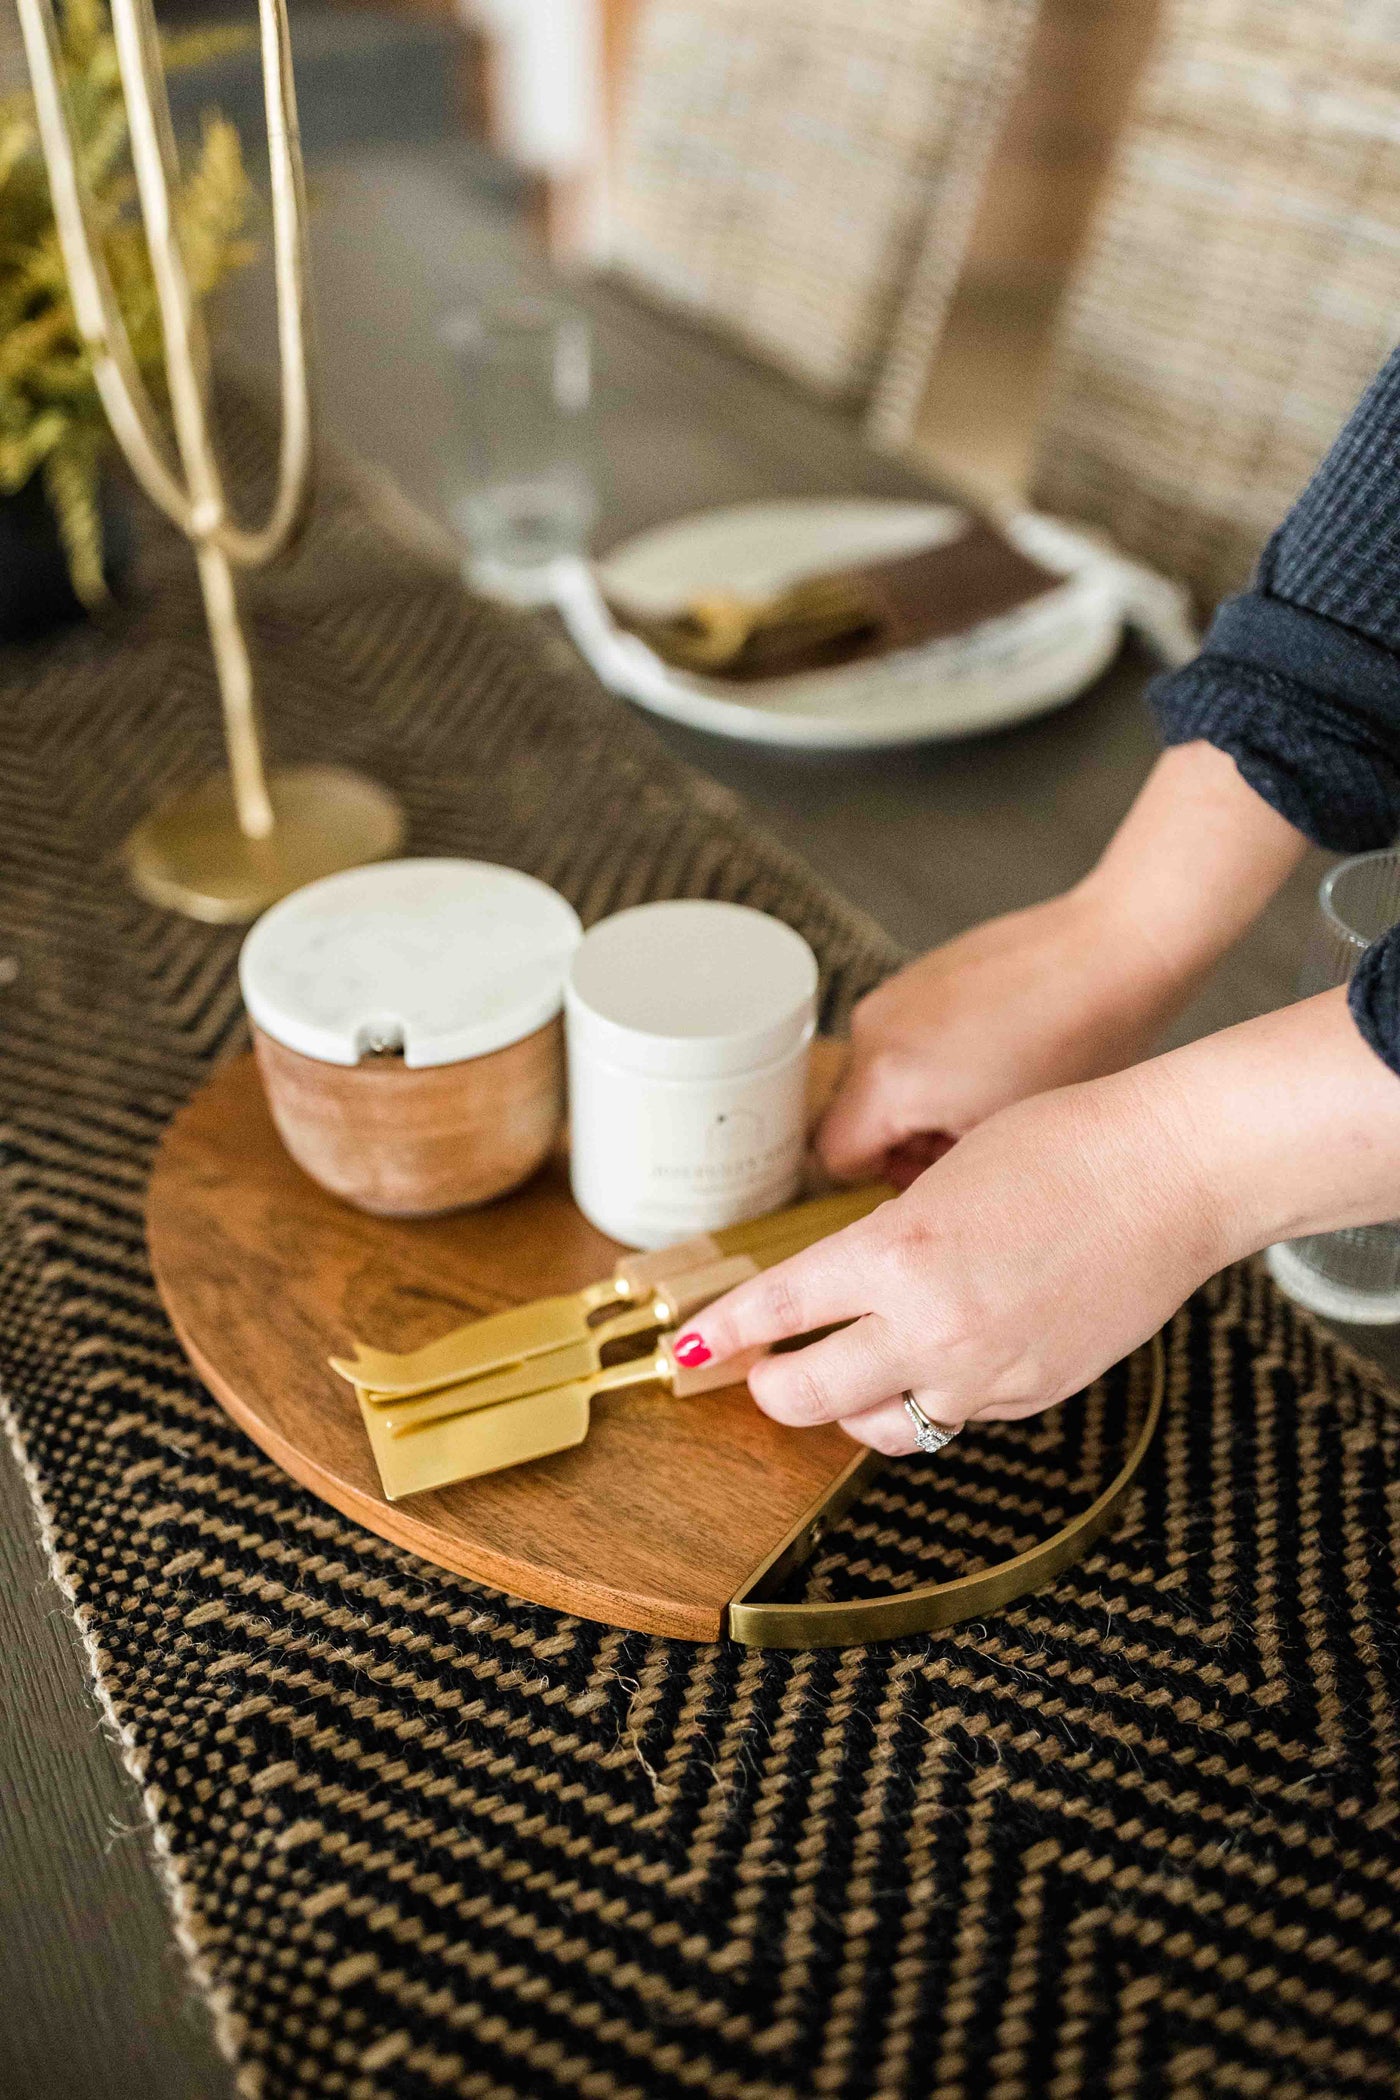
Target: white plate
point(1005, 670)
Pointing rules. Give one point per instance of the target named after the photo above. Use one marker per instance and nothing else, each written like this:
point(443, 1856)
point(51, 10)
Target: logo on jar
point(734, 1153)
point(735, 1136)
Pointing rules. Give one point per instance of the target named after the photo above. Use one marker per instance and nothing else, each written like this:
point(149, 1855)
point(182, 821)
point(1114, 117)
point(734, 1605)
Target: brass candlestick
point(225, 850)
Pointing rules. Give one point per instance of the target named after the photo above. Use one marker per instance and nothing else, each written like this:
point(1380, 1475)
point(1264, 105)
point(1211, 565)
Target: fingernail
point(691, 1351)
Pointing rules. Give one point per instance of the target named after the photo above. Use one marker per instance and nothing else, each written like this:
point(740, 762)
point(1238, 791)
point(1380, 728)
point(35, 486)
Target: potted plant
point(58, 546)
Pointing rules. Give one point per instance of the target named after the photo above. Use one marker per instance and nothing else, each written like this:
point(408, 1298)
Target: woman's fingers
point(813, 1289)
point(885, 1427)
point(873, 1110)
point(839, 1375)
point(904, 1163)
point(877, 1125)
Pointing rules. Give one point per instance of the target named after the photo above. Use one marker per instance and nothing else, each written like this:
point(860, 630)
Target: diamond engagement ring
point(929, 1436)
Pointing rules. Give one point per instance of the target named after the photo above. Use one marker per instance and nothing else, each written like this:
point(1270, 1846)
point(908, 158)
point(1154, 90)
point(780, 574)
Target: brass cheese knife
point(512, 1432)
point(525, 1331)
point(673, 1302)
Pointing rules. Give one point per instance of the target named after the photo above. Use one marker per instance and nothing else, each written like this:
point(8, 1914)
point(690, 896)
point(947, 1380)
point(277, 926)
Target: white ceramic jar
point(689, 1025)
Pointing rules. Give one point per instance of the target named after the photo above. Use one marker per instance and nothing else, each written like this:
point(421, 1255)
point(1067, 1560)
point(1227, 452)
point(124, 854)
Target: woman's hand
point(1064, 1230)
point(1058, 1236)
point(1021, 1004)
point(1068, 990)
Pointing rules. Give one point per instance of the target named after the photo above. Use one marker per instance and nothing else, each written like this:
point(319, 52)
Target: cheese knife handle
point(640, 1274)
point(676, 1301)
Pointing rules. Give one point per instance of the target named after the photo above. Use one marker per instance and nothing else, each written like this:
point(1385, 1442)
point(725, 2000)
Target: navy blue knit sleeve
point(1374, 997)
point(1308, 710)
point(1299, 678)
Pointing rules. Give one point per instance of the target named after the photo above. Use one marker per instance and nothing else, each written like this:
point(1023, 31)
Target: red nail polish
point(691, 1352)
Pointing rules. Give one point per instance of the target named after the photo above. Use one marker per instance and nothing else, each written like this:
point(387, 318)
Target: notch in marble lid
point(442, 959)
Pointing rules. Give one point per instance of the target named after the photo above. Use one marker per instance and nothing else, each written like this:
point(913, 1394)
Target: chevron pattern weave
point(1138, 1836)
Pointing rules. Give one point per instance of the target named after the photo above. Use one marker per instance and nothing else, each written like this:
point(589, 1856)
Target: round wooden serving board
point(655, 1522)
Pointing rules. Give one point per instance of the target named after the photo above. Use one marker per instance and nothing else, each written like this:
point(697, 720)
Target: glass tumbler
point(526, 367)
point(1355, 1274)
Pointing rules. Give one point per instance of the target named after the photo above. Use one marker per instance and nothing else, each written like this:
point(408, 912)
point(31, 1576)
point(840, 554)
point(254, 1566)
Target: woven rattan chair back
point(803, 174)
point(1242, 283)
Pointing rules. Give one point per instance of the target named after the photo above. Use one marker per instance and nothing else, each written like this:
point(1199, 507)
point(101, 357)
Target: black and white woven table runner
point(1139, 1835)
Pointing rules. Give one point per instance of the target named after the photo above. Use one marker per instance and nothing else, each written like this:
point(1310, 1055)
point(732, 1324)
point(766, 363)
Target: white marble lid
point(444, 959)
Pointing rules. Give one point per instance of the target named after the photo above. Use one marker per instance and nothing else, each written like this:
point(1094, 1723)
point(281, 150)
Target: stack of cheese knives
point(519, 1385)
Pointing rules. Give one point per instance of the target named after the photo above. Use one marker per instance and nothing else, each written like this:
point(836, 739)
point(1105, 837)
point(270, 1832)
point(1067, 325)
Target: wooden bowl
point(410, 1142)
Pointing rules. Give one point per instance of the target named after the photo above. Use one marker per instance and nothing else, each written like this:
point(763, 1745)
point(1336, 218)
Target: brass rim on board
point(759, 1623)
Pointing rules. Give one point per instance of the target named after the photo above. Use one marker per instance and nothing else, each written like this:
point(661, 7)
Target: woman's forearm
point(1288, 1124)
point(1191, 866)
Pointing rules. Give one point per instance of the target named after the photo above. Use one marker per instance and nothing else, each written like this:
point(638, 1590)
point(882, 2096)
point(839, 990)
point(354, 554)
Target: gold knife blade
point(513, 1336)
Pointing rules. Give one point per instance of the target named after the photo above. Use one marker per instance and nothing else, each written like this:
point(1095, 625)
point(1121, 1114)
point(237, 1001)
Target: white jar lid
point(691, 989)
point(444, 959)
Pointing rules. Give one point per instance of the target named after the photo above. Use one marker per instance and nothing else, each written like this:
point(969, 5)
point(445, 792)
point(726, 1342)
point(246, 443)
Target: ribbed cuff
point(1374, 998)
point(1309, 712)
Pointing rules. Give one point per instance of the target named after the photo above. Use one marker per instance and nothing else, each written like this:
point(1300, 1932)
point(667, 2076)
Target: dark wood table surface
point(93, 1991)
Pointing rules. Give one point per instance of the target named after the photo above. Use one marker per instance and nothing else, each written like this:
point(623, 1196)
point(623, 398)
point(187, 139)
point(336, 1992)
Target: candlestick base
point(190, 856)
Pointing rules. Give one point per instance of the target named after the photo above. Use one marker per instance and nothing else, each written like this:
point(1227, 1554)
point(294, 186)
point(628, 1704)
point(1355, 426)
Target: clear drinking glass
point(526, 368)
point(1355, 1274)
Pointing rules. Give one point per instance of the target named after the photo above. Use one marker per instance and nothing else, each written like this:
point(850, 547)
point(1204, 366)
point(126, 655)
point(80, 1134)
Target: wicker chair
point(802, 174)
point(1242, 284)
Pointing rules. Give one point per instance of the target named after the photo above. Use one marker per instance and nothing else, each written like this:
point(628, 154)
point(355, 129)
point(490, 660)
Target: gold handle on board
point(759, 1622)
